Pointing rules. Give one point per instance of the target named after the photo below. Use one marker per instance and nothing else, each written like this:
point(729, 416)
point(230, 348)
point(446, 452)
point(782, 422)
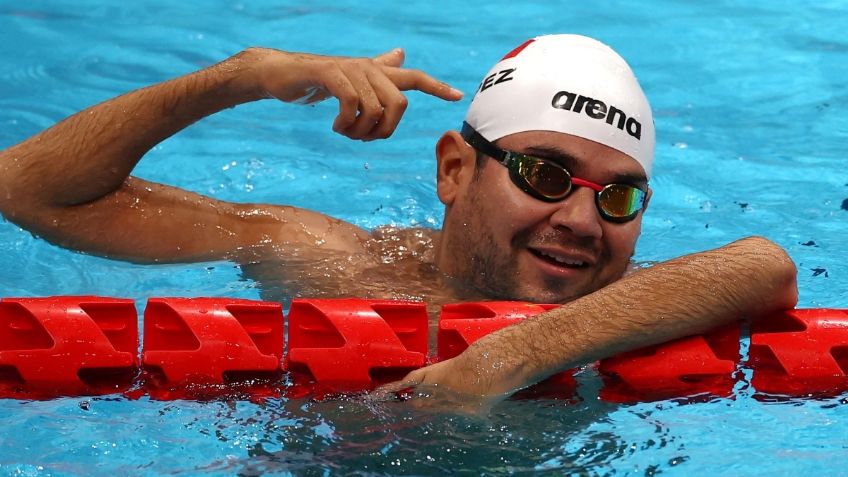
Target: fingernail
point(457, 92)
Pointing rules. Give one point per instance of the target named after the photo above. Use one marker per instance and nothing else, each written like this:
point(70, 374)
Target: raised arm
point(70, 184)
point(681, 297)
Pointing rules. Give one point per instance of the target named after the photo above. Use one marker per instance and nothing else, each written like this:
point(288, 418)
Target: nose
point(579, 214)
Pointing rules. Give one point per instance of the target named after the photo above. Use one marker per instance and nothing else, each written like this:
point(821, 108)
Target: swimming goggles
point(549, 181)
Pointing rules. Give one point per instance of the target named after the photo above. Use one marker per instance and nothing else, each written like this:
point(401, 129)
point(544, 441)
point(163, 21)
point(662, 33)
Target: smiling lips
point(561, 258)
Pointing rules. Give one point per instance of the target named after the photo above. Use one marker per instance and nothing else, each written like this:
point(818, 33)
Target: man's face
point(513, 246)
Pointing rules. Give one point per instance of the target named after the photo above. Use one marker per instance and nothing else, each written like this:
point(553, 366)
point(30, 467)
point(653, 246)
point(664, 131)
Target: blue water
point(752, 135)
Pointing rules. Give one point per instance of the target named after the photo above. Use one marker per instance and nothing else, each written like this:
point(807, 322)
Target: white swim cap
point(570, 84)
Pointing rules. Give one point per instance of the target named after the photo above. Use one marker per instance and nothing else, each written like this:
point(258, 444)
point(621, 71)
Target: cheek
point(621, 239)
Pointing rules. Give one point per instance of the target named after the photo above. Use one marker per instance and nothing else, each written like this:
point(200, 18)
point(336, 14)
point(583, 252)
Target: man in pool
point(544, 189)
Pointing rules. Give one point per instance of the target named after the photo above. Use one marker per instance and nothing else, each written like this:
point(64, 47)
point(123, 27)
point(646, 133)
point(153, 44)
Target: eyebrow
point(570, 162)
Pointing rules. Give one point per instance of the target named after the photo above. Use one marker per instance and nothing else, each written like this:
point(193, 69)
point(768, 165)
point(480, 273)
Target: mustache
point(554, 237)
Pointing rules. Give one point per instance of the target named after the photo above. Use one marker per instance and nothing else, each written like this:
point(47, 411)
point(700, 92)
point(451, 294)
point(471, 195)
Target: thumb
point(393, 57)
point(411, 380)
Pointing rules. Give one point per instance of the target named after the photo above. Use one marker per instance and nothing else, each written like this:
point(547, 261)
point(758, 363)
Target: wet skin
point(498, 241)
point(511, 245)
point(70, 184)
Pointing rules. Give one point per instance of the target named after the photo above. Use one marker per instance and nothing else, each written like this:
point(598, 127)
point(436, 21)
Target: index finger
point(407, 80)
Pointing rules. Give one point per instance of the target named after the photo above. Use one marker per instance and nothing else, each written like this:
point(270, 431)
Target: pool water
point(749, 101)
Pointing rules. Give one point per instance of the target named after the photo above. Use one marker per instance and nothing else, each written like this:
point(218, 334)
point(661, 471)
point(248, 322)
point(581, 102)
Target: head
point(574, 104)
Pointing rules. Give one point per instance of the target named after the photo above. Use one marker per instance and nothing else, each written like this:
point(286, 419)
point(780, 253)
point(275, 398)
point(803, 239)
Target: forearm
point(91, 153)
point(70, 184)
point(685, 296)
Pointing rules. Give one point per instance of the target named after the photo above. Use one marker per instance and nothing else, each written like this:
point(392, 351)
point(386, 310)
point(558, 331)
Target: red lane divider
point(67, 345)
point(696, 365)
point(355, 343)
point(799, 352)
point(212, 340)
point(461, 324)
point(89, 345)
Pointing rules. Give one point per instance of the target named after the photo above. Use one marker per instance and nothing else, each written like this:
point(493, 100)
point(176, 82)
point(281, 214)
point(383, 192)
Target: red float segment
point(69, 345)
point(212, 340)
point(354, 342)
point(88, 345)
point(703, 364)
point(802, 351)
point(461, 324)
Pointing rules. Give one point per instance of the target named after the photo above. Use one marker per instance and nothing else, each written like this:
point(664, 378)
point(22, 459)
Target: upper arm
point(144, 221)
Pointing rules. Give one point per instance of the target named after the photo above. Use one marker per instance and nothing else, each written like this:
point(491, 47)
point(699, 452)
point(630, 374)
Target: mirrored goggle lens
point(620, 200)
point(549, 180)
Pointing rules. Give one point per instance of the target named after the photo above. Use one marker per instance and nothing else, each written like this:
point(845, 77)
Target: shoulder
point(393, 243)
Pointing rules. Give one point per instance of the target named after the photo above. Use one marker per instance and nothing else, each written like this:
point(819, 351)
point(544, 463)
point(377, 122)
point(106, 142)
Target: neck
point(451, 274)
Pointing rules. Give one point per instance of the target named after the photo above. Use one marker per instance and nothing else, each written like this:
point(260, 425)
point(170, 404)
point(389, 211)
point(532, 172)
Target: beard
point(496, 273)
point(481, 263)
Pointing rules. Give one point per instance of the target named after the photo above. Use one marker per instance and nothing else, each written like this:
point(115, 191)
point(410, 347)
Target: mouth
point(560, 259)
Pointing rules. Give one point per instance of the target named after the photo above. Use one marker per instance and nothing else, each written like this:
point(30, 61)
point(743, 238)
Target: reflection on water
point(344, 435)
point(340, 434)
point(750, 108)
point(395, 438)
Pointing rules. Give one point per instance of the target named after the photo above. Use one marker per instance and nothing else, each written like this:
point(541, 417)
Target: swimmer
point(544, 186)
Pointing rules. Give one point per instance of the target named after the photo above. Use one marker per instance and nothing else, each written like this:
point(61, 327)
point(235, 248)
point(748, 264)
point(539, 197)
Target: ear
point(456, 162)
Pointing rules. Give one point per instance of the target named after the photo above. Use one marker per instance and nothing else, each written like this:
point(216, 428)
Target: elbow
point(779, 263)
point(778, 270)
point(21, 192)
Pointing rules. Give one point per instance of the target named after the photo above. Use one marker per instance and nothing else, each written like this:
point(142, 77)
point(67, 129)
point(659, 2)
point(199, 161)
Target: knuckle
point(349, 101)
point(400, 102)
point(382, 132)
point(371, 112)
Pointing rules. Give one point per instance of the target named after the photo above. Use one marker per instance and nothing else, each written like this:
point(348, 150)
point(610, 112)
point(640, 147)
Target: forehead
point(583, 157)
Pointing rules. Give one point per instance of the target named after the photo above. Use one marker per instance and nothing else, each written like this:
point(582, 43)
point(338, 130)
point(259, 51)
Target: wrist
point(499, 364)
point(244, 74)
